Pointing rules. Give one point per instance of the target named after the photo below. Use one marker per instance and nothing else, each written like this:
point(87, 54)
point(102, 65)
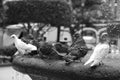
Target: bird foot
point(101, 63)
point(77, 61)
point(69, 62)
point(95, 66)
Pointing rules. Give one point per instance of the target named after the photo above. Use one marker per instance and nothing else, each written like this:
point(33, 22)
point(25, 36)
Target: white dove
point(21, 46)
point(99, 53)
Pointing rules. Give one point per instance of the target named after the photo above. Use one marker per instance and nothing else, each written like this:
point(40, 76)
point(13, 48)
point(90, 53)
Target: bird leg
point(95, 65)
point(69, 62)
point(101, 63)
point(78, 60)
point(16, 53)
point(69, 59)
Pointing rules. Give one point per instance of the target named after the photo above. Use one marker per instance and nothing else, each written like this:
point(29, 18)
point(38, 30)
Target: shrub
point(8, 51)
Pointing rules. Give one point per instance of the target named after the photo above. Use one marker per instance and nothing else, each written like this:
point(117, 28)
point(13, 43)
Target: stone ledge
point(58, 69)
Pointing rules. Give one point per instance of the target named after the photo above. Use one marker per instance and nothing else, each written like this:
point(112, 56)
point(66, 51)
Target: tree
point(2, 19)
point(85, 11)
point(88, 3)
point(106, 12)
point(93, 11)
point(114, 32)
point(55, 12)
point(2, 13)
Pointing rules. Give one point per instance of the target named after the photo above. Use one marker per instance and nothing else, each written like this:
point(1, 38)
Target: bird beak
point(11, 36)
point(13, 44)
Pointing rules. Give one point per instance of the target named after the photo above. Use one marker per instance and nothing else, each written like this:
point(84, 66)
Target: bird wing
point(100, 51)
point(95, 52)
point(31, 47)
point(96, 62)
point(21, 45)
point(25, 46)
point(103, 52)
point(88, 61)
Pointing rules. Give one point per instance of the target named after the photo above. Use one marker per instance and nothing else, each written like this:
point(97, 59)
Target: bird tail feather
point(89, 61)
point(16, 53)
point(96, 62)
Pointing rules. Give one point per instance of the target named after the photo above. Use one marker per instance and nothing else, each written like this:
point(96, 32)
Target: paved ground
point(8, 73)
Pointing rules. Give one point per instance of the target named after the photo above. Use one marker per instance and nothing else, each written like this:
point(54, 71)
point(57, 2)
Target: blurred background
point(90, 19)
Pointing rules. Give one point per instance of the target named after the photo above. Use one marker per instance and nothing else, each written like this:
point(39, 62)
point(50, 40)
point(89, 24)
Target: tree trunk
point(58, 33)
point(2, 37)
point(37, 32)
point(119, 43)
point(58, 70)
point(72, 32)
point(29, 28)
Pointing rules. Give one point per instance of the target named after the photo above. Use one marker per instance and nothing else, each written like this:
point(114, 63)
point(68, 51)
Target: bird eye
point(12, 36)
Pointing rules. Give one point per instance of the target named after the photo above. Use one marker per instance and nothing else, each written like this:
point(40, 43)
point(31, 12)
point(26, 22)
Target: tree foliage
point(106, 12)
point(88, 3)
point(92, 11)
point(113, 30)
point(54, 12)
point(2, 14)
